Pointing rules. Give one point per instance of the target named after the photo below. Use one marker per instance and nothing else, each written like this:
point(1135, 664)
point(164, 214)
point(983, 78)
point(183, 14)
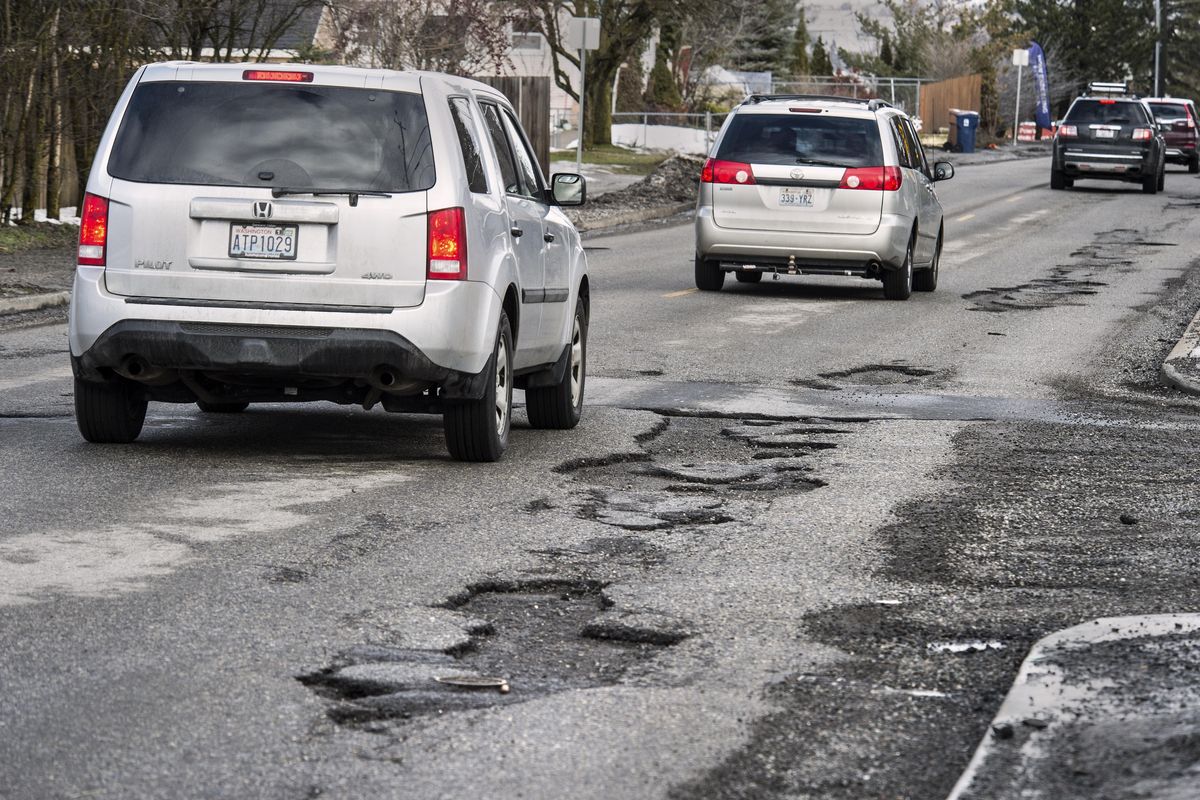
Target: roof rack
point(1107, 88)
point(872, 104)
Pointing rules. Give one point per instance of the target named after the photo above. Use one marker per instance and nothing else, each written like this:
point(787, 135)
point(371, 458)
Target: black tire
point(1194, 164)
point(559, 407)
point(898, 283)
point(1150, 184)
point(748, 277)
point(1162, 179)
point(1057, 180)
point(926, 280)
point(477, 430)
point(109, 413)
point(222, 408)
point(709, 277)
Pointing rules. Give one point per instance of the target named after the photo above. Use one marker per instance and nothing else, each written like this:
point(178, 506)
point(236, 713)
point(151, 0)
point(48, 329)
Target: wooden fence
point(530, 96)
point(938, 98)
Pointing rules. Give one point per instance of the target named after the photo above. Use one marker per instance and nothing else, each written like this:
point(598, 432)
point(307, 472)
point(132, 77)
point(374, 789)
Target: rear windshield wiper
point(353, 194)
point(816, 162)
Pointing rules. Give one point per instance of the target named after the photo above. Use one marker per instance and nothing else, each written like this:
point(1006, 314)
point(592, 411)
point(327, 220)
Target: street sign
point(583, 33)
point(1021, 58)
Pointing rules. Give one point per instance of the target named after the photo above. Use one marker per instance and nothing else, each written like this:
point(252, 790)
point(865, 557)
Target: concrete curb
point(1044, 693)
point(33, 302)
point(630, 217)
point(1188, 347)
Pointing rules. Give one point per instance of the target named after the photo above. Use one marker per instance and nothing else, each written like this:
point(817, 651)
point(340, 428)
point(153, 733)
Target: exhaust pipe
point(135, 368)
point(385, 379)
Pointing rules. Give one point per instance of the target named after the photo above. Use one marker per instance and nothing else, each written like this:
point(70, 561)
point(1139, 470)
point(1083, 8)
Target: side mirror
point(943, 171)
point(568, 189)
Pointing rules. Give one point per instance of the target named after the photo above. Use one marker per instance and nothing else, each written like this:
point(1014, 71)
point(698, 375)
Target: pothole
point(1069, 283)
point(699, 471)
point(541, 637)
point(880, 375)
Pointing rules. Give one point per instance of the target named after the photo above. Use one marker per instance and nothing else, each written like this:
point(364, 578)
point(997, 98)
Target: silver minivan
point(263, 234)
point(814, 185)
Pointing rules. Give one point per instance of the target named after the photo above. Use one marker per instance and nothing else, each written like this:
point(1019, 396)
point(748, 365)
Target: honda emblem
point(262, 209)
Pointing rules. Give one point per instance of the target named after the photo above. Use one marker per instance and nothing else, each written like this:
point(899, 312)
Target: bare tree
point(464, 37)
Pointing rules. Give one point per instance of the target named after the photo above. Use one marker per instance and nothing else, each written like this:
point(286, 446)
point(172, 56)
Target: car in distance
point(1176, 117)
point(258, 234)
point(818, 185)
point(1108, 134)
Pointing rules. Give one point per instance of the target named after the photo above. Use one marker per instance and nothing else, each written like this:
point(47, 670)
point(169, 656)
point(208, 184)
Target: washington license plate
point(1105, 133)
point(276, 242)
point(799, 198)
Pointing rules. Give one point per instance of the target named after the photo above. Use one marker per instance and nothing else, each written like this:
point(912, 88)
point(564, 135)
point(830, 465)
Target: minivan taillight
point(885, 179)
point(447, 245)
point(717, 171)
point(93, 231)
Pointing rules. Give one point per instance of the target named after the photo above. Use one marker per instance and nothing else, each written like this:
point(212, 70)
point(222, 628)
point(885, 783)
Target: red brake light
point(716, 171)
point(1142, 134)
point(447, 245)
point(93, 231)
point(277, 75)
point(885, 179)
point(1067, 131)
point(1108, 102)
point(805, 110)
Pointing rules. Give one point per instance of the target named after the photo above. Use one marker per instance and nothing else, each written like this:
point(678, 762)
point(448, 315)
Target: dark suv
point(1177, 119)
point(1108, 134)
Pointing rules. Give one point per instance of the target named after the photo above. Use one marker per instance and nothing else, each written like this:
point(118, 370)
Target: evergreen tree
point(821, 65)
point(764, 45)
point(885, 52)
point(800, 62)
point(663, 92)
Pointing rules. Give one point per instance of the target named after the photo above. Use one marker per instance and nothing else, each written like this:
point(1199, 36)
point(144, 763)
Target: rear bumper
point(1108, 163)
point(812, 253)
point(447, 340)
point(264, 351)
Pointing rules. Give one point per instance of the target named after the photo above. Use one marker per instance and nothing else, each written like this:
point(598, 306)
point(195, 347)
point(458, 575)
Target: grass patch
point(36, 236)
point(621, 159)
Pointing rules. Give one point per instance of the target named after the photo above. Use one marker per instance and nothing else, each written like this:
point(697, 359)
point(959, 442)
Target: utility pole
point(583, 34)
point(1157, 42)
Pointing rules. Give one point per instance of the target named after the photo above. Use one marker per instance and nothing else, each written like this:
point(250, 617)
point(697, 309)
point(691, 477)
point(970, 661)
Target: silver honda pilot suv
point(815, 185)
point(265, 234)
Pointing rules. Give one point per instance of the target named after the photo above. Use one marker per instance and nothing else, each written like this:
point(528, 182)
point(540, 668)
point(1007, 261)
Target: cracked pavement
point(797, 548)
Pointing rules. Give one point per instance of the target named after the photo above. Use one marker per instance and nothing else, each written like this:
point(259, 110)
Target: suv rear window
point(1169, 110)
point(254, 134)
point(1113, 112)
point(801, 139)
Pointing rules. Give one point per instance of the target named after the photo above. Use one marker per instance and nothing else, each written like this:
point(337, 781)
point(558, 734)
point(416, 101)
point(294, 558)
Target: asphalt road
point(796, 549)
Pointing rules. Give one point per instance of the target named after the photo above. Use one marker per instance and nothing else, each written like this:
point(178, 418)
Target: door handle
point(548, 237)
point(516, 232)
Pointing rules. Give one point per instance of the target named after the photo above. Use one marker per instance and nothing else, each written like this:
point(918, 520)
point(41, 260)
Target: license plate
point(799, 198)
point(1103, 133)
point(274, 242)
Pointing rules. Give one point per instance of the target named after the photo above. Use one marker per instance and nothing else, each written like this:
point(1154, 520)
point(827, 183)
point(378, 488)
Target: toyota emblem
point(797, 174)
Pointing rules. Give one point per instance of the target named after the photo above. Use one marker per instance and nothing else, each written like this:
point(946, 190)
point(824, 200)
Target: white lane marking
point(100, 561)
point(681, 293)
point(52, 374)
point(965, 217)
point(1015, 198)
point(773, 315)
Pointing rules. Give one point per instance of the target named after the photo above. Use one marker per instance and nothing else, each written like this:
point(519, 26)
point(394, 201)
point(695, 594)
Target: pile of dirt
point(673, 184)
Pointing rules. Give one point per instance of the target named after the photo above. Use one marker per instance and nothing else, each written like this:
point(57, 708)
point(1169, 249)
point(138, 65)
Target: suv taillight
point(716, 171)
point(447, 245)
point(1067, 132)
point(93, 231)
point(886, 179)
point(1142, 134)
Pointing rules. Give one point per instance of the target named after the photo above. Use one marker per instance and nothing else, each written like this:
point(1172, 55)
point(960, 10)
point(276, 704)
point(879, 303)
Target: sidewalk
point(1182, 366)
